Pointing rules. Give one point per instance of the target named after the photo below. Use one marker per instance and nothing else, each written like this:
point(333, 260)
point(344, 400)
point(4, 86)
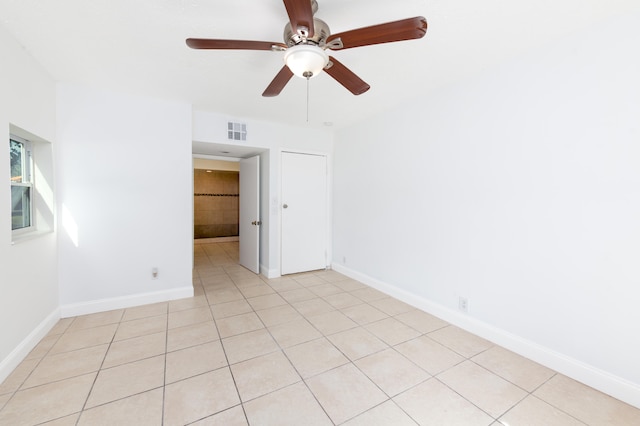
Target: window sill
point(28, 236)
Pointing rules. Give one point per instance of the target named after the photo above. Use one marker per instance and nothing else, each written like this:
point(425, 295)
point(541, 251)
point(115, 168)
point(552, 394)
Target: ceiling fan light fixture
point(306, 60)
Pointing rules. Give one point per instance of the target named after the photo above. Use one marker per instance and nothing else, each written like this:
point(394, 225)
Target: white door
point(250, 213)
point(304, 212)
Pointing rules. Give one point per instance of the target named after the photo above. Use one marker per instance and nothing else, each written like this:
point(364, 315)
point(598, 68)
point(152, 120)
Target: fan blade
point(278, 83)
point(300, 15)
point(346, 77)
point(206, 43)
point(406, 29)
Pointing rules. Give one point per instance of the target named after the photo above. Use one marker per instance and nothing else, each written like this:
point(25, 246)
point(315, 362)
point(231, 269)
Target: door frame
point(328, 202)
point(221, 158)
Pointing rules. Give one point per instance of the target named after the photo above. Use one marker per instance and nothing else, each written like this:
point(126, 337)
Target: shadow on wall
point(216, 204)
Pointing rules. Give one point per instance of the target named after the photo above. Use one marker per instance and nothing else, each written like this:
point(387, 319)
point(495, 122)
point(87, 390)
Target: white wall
point(28, 270)
point(520, 190)
point(125, 198)
point(273, 138)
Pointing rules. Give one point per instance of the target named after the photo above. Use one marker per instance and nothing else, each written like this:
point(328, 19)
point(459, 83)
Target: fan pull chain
point(308, 78)
point(307, 75)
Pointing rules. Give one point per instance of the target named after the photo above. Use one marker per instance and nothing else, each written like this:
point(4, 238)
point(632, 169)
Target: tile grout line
point(164, 371)
point(549, 403)
point(95, 379)
point(229, 367)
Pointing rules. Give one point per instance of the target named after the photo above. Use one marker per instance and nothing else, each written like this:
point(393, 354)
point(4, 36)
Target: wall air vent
point(236, 131)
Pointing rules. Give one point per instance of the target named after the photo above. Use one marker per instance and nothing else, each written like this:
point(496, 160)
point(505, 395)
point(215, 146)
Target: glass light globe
point(305, 60)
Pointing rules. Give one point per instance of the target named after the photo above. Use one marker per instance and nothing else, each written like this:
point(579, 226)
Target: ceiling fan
point(306, 40)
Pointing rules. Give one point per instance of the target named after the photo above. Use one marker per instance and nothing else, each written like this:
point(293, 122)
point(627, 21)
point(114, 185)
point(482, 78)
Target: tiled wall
point(216, 203)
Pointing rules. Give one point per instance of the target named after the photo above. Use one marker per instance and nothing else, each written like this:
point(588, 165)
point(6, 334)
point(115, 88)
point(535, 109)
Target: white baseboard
point(598, 379)
point(8, 364)
point(269, 273)
point(102, 305)
point(21, 351)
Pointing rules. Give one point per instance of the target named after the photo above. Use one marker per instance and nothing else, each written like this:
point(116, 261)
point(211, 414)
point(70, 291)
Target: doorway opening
point(216, 207)
point(228, 201)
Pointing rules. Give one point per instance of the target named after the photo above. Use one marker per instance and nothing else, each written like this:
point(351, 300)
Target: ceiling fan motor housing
point(320, 34)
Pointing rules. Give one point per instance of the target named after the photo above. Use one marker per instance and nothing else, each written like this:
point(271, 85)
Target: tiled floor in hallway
point(310, 349)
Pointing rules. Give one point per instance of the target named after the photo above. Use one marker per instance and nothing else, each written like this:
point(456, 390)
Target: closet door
point(304, 212)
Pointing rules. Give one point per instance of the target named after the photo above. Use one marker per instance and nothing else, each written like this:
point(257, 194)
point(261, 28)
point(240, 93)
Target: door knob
point(284, 206)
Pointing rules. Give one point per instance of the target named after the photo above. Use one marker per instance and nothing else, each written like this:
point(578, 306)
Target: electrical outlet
point(154, 273)
point(463, 304)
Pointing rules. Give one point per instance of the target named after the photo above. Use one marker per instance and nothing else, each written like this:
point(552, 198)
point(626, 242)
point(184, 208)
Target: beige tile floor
point(310, 349)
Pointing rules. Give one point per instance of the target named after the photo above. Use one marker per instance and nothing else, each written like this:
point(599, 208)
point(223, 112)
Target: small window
point(21, 184)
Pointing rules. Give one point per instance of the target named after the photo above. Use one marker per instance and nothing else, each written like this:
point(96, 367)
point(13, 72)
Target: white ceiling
point(137, 46)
